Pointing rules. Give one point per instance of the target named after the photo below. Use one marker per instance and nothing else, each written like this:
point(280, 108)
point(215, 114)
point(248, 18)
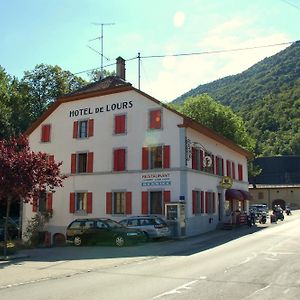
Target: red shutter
point(89, 208)
point(194, 193)
point(167, 156)
point(213, 164)
point(155, 119)
point(91, 127)
point(206, 202)
point(240, 172)
point(73, 163)
point(202, 202)
point(201, 160)
point(90, 162)
point(108, 203)
point(49, 201)
point(46, 129)
point(222, 167)
point(194, 158)
point(167, 196)
point(214, 202)
point(233, 170)
point(145, 164)
point(128, 208)
point(217, 165)
point(75, 130)
point(228, 168)
point(119, 160)
point(34, 204)
point(72, 203)
point(120, 124)
point(144, 203)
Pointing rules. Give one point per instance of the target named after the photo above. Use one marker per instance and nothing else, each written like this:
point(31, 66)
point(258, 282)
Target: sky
point(62, 32)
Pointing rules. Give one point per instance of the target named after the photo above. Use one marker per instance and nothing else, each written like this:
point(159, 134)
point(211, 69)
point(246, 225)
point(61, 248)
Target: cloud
point(178, 19)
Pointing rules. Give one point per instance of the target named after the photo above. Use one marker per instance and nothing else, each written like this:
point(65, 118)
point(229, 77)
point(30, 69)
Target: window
point(43, 202)
point(83, 129)
point(81, 202)
point(155, 119)
point(156, 157)
point(45, 134)
point(219, 166)
point(197, 159)
point(119, 160)
point(120, 124)
point(198, 202)
point(156, 203)
point(210, 209)
point(119, 203)
point(82, 162)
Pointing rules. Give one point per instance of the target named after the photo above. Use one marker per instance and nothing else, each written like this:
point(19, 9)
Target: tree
point(25, 174)
point(95, 75)
point(44, 84)
point(222, 119)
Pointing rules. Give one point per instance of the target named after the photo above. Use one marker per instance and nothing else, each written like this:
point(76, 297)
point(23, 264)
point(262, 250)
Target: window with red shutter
point(75, 130)
point(228, 167)
point(72, 203)
point(120, 124)
point(108, 203)
point(128, 208)
point(202, 202)
point(90, 162)
point(233, 170)
point(49, 201)
point(166, 157)
point(89, 208)
point(145, 158)
point(90, 127)
point(144, 203)
point(45, 134)
point(119, 160)
point(155, 119)
point(240, 172)
point(194, 199)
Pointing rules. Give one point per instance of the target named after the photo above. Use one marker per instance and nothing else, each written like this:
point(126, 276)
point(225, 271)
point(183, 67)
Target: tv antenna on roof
point(102, 42)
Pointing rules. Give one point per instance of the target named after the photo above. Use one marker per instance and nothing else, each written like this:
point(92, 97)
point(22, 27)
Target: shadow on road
point(173, 247)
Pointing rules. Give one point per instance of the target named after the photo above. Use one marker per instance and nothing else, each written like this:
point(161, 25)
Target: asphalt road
point(256, 263)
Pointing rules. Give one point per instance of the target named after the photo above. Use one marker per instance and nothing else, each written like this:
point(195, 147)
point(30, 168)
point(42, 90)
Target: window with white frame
point(119, 204)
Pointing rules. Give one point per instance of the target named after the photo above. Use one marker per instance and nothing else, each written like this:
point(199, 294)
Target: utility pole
point(139, 70)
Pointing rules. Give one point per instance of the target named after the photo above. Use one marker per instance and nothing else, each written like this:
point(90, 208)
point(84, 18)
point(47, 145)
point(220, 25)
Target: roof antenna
point(102, 43)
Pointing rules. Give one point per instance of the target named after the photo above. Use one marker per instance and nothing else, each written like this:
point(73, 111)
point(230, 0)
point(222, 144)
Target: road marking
point(185, 286)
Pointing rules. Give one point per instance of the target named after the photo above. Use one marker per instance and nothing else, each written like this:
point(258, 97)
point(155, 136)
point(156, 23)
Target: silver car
point(153, 227)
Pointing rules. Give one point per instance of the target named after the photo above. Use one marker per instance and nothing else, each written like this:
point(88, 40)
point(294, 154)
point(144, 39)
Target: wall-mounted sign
point(86, 111)
point(156, 179)
point(226, 182)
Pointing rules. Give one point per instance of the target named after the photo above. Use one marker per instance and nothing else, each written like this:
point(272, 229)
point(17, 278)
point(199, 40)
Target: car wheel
point(77, 241)
point(146, 236)
point(119, 241)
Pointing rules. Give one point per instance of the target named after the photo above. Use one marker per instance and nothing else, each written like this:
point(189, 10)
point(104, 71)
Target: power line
point(291, 4)
point(196, 53)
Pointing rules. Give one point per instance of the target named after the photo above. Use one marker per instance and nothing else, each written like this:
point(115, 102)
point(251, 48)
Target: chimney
point(121, 67)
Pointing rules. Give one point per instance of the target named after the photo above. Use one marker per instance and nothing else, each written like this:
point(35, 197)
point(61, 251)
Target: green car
point(99, 230)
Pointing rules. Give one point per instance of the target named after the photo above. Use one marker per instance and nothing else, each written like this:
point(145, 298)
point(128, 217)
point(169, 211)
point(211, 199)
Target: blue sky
point(57, 32)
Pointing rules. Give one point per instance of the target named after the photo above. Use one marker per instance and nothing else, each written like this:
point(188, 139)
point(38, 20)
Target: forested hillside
point(267, 97)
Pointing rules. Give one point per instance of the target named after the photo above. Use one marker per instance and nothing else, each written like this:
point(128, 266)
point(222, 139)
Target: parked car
point(152, 226)
point(12, 230)
point(259, 208)
point(98, 230)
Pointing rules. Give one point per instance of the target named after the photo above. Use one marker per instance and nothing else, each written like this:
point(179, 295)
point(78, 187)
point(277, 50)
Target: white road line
point(185, 286)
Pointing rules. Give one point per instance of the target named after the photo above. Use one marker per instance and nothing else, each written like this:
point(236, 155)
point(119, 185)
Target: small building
point(126, 153)
point(278, 183)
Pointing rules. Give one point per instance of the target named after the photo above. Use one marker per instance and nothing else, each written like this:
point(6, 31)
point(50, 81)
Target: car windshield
point(113, 224)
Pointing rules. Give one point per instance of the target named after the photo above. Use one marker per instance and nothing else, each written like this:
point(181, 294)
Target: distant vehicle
point(259, 208)
point(152, 226)
point(98, 230)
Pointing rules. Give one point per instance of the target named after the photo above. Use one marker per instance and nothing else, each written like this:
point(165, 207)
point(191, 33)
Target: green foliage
point(222, 119)
point(267, 98)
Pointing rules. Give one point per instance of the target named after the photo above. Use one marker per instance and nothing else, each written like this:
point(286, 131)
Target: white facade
point(178, 179)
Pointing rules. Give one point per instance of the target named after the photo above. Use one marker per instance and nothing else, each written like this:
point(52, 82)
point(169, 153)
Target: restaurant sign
point(156, 179)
